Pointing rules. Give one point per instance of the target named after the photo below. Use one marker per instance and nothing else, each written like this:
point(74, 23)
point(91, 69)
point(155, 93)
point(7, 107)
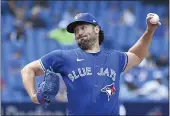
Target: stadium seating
point(38, 44)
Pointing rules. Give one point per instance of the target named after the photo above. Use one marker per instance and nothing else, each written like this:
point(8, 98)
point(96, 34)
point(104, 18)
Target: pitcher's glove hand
point(48, 88)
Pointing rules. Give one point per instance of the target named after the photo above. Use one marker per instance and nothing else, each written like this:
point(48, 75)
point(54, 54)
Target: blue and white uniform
point(92, 79)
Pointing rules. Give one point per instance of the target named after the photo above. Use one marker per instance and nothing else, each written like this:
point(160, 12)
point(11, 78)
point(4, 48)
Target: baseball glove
point(48, 88)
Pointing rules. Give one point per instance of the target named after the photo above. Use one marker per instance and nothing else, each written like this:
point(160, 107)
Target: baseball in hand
point(154, 19)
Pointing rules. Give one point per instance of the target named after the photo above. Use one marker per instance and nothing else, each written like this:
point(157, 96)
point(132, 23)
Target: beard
point(86, 44)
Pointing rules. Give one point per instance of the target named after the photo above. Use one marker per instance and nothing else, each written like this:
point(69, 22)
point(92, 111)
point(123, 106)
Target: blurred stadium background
point(30, 29)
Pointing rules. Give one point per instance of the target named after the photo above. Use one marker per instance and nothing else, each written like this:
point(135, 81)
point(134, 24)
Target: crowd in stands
point(30, 29)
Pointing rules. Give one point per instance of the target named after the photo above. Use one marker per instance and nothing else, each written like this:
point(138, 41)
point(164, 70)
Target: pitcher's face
point(85, 35)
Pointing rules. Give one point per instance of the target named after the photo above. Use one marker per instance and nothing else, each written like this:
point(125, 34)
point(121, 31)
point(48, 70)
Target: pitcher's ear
point(97, 29)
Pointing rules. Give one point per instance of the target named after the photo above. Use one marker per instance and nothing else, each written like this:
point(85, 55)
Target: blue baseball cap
point(80, 19)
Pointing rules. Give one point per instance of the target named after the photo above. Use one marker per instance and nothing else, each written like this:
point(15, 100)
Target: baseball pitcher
point(91, 73)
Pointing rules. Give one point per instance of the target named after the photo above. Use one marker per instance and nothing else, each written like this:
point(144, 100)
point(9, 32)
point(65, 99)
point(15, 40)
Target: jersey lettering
point(74, 74)
point(88, 70)
point(81, 72)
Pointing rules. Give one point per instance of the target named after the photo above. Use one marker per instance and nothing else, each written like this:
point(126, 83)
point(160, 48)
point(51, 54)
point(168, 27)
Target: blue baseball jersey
point(92, 79)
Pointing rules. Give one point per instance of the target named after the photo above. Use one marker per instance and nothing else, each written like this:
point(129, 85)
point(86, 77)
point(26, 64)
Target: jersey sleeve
point(52, 61)
point(123, 61)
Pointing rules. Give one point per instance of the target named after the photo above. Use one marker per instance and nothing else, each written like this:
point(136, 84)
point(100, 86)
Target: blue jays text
point(81, 72)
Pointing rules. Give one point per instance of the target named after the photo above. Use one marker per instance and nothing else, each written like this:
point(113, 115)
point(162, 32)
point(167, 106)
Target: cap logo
point(78, 15)
point(94, 21)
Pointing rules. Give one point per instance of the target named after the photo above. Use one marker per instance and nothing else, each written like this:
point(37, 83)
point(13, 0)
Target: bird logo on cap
point(78, 15)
